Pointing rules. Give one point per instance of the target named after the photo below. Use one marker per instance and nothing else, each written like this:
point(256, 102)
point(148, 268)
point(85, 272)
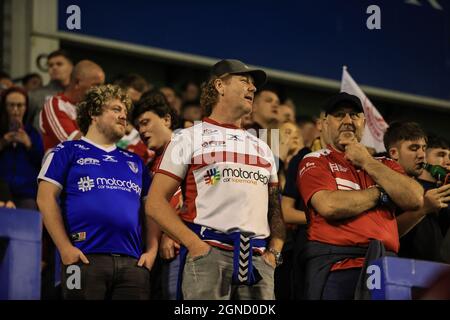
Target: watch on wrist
point(278, 256)
point(384, 199)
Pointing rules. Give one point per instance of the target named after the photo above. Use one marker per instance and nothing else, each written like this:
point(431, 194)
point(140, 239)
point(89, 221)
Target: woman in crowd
point(21, 149)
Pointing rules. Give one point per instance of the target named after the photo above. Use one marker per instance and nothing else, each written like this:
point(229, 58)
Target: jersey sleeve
point(177, 156)
point(57, 165)
point(273, 171)
point(59, 120)
point(314, 175)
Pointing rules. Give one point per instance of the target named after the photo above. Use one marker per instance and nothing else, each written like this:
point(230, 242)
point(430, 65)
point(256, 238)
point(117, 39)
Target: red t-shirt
point(327, 169)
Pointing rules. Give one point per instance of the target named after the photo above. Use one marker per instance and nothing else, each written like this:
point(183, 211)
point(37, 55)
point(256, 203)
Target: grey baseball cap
point(231, 66)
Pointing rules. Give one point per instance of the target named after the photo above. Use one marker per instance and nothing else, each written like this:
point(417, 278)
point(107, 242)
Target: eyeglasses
point(12, 105)
point(340, 115)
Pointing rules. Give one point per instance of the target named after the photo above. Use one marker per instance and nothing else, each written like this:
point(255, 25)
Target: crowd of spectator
point(330, 206)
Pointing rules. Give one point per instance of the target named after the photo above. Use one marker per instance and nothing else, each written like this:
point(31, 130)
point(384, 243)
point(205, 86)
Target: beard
point(111, 132)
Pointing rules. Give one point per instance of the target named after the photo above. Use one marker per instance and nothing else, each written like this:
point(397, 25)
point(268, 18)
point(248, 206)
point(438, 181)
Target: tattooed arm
point(277, 227)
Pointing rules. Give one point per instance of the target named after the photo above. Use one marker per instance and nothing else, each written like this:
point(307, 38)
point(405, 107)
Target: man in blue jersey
point(90, 196)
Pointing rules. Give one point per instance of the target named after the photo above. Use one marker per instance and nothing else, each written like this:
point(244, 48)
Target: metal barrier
point(20, 261)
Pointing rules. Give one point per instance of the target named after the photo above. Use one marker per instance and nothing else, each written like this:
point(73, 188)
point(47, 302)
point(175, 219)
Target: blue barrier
point(399, 277)
point(20, 268)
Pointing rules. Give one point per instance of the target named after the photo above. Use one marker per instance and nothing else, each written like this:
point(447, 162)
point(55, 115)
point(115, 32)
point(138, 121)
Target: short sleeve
point(56, 165)
point(177, 156)
point(314, 175)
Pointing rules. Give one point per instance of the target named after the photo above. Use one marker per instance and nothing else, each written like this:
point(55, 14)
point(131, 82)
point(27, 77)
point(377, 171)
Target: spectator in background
point(60, 67)
point(247, 121)
point(58, 117)
point(156, 120)
point(135, 86)
point(293, 210)
point(21, 149)
point(265, 116)
point(309, 129)
point(172, 99)
point(5, 81)
point(291, 142)
point(32, 81)
point(321, 141)
point(286, 113)
point(342, 188)
point(191, 112)
point(265, 111)
point(190, 91)
point(423, 236)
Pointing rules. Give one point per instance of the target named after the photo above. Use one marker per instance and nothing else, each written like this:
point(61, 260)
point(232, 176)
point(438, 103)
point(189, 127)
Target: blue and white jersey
point(101, 195)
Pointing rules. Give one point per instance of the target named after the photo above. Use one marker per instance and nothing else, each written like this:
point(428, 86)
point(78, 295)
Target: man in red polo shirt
point(350, 198)
point(58, 118)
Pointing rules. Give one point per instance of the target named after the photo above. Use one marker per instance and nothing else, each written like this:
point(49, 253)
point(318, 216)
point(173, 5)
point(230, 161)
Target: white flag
point(375, 124)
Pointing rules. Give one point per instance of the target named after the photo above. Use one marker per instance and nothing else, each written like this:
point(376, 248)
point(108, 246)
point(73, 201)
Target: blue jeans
point(169, 278)
point(341, 284)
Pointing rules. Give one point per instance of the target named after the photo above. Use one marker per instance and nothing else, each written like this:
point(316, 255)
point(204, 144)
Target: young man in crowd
point(423, 232)
point(90, 196)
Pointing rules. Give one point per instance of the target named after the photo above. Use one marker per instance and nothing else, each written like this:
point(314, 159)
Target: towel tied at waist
point(244, 272)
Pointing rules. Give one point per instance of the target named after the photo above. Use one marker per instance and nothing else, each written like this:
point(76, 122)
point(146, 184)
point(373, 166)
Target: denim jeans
point(341, 284)
point(107, 277)
point(210, 277)
point(169, 278)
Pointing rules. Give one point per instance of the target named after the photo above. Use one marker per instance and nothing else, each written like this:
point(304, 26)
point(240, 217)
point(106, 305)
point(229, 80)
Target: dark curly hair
point(95, 99)
point(155, 101)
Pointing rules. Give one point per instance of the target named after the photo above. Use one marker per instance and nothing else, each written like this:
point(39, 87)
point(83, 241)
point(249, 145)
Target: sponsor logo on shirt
point(87, 184)
point(133, 166)
point(88, 161)
point(109, 158)
point(80, 146)
point(207, 131)
point(306, 167)
point(233, 137)
point(213, 143)
point(335, 167)
point(237, 175)
point(212, 176)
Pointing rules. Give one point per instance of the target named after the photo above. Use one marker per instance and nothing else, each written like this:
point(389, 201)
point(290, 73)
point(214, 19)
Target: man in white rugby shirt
point(231, 228)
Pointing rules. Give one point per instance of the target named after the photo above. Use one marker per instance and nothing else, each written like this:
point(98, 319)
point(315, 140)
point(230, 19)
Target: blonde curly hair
point(94, 100)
